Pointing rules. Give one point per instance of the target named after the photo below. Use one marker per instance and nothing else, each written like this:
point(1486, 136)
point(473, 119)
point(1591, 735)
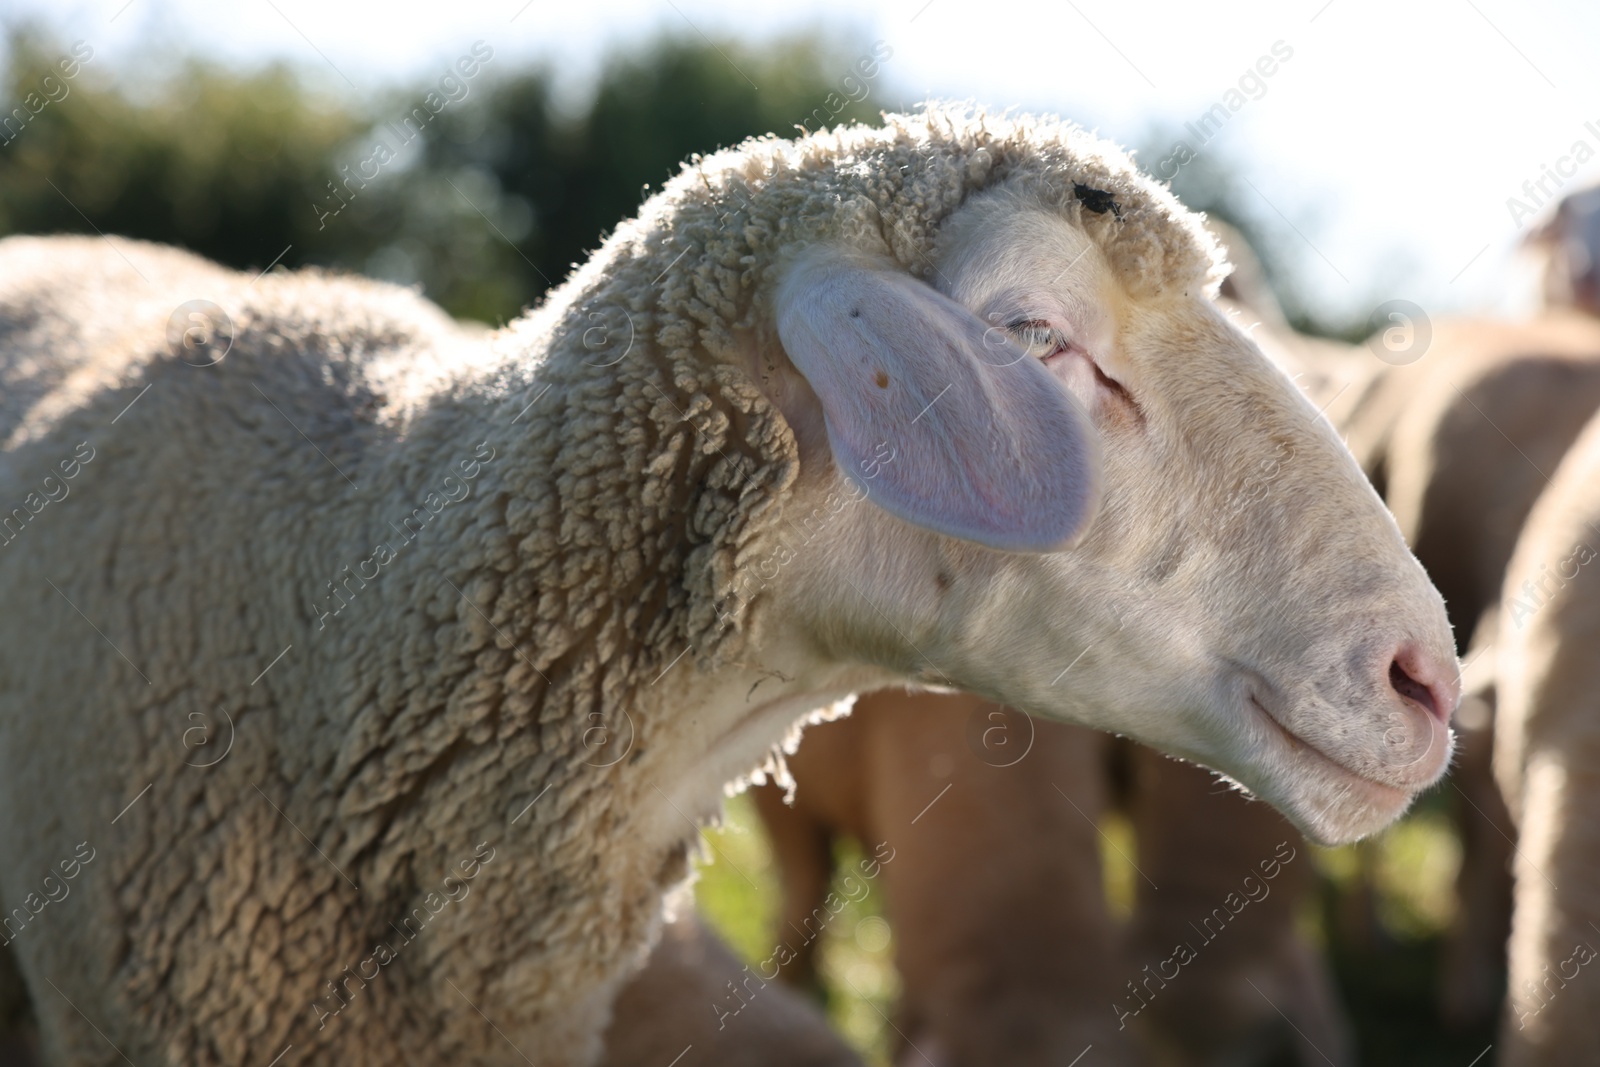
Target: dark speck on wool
point(1096, 200)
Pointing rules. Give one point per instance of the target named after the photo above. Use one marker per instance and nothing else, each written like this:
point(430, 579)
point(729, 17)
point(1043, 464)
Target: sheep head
point(1087, 495)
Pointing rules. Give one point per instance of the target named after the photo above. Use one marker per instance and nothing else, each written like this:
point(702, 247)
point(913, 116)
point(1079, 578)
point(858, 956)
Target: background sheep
point(1460, 436)
point(1566, 249)
point(439, 724)
point(1258, 990)
point(1494, 408)
point(1006, 949)
point(1544, 755)
point(1004, 945)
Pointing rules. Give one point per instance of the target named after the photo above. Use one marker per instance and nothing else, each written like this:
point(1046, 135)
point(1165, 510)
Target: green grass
point(738, 896)
point(738, 888)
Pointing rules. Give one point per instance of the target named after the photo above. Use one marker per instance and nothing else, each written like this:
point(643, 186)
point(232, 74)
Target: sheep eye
point(1043, 341)
point(1037, 337)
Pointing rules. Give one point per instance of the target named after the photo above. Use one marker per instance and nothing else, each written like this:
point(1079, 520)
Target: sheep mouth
point(1378, 794)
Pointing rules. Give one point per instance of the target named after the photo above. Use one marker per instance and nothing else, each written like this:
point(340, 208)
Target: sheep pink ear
point(946, 424)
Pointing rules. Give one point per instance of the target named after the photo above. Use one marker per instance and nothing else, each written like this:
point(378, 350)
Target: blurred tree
point(555, 185)
point(501, 195)
point(222, 163)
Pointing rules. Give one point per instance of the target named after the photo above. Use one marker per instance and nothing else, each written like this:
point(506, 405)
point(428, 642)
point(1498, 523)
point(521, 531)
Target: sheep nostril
point(1418, 692)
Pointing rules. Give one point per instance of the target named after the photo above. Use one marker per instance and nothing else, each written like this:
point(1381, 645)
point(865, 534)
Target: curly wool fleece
point(494, 683)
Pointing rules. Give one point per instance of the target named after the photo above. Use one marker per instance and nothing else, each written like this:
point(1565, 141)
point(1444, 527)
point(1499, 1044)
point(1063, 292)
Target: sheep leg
point(1228, 894)
point(1004, 945)
point(1554, 995)
point(802, 846)
point(1473, 967)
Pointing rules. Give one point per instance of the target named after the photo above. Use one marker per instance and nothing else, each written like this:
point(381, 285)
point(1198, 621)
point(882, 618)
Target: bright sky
point(1392, 138)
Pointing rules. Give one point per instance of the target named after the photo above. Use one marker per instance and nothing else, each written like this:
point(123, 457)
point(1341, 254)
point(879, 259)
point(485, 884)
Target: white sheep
point(1546, 746)
point(487, 627)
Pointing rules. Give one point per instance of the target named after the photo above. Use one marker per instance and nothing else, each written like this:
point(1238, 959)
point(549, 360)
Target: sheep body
point(1546, 741)
point(1464, 440)
point(459, 686)
point(436, 662)
point(219, 596)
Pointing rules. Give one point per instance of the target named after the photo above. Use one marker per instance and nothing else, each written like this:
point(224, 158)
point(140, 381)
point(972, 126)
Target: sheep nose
point(1425, 679)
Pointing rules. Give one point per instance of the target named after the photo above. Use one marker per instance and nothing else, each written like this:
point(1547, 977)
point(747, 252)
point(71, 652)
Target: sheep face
point(1107, 510)
point(1567, 250)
